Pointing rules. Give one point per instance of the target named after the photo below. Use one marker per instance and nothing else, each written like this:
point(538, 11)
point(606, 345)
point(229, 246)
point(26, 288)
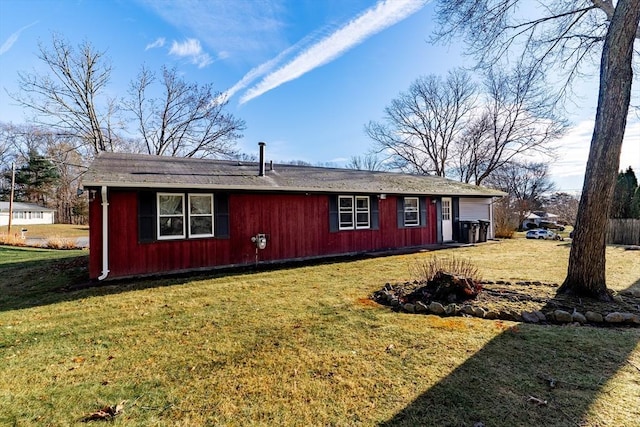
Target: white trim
point(159, 215)
point(360, 211)
point(210, 215)
point(406, 210)
point(350, 211)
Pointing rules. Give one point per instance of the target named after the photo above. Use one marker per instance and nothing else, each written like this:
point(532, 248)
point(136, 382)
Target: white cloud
point(383, 15)
point(8, 44)
point(160, 41)
point(192, 50)
point(243, 28)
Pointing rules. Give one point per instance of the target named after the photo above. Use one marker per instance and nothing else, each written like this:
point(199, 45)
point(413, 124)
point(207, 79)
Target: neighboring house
point(152, 214)
point(26, 214)
point(537, 219)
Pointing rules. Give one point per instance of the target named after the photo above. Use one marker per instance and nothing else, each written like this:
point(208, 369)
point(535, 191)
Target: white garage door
point(475, 209)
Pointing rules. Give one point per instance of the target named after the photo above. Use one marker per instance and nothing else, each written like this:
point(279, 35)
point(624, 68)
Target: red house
point(153, 214)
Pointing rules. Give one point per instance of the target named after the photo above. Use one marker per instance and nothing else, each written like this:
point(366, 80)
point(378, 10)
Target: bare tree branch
point(189, 120)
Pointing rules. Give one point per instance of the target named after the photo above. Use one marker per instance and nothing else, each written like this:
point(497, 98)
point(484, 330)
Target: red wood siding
point(297, 226)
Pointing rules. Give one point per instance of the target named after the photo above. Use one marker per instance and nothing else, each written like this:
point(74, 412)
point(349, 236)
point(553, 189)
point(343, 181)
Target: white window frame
point(354, 211)
point(210, 215)
point(171, 237)
point(350, 211)
point(446, 210)
point(358, 210)
point(412, 209)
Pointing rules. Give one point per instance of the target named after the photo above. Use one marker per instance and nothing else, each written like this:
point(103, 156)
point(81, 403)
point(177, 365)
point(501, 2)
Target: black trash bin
point(483, 231)
point(468, 230)
point(475, 227)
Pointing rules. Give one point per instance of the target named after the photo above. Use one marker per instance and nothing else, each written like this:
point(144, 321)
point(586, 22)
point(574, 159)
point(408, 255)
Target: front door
point(447, 227)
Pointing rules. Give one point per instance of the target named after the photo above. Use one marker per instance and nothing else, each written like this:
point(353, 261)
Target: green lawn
point(302, 346)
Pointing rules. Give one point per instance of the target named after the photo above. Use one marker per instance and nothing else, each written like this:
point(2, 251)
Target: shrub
point(504, 231)
point(11, 239)
point(57, 242)
point(427, 269)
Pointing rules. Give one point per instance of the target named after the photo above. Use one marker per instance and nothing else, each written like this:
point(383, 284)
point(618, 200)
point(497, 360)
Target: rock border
point(387, 297)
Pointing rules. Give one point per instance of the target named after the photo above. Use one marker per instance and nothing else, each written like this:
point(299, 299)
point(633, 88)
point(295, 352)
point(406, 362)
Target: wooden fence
point(624, 231)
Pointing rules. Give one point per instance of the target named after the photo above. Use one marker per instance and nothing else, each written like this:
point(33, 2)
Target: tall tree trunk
point(586, 271)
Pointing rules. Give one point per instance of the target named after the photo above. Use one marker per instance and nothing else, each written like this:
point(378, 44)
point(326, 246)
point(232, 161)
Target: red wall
point(297, 226)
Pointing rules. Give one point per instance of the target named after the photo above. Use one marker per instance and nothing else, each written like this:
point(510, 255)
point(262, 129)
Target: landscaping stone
point(614, 317)
point(529, 317)
point(593, 317)
point(491, 314)
point(630, 318)
point(562, 316)
point(451, 310)
point(467, 309)
point(540, 315)
point(579, 317)
point(618, 298)
point(479, 312)
point(421, 307)
point(409, 308)
point(436, 308)
point(635, 293)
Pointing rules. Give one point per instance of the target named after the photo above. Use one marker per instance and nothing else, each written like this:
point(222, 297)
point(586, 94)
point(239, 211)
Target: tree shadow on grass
point(533, 375)
point(26, 284)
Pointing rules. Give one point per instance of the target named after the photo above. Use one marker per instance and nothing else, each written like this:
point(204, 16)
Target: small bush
point(57, 242)
point(426, 270)
point(504, 231)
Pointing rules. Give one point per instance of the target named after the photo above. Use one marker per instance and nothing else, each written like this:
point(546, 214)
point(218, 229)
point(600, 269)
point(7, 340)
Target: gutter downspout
point(105, 234)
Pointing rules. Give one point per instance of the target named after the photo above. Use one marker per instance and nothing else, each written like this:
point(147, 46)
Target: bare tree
point(526, 183)
point(367, 162)
point(71, 98)
point(564, 205)
point(516, 119)
point(189, 120)
point(62, 153)
point(565, 36)
point(422, 124)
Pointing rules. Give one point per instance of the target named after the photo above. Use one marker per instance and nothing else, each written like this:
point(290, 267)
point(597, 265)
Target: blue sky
point(305, 75)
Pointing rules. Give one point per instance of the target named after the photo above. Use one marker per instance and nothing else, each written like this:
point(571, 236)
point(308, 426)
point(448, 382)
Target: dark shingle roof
point(145, 171)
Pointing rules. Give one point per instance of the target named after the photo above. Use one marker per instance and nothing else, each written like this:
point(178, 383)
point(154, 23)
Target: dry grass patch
point(45, 231)
point(57, 242)
point(300, 346)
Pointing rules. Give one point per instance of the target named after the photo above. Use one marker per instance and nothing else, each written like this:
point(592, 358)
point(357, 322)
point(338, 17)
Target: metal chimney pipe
point(261, 170)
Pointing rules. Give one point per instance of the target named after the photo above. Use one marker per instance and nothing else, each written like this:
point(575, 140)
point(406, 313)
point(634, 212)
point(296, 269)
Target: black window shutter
point(221, 212)
point(423, 211)
point(400, 209)
point(146, 216)
point(375, 221)
point(333, 213)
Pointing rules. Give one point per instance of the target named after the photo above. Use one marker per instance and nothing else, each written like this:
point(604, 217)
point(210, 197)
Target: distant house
point(153, 214)
point(538, 219)
point(26, 214)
